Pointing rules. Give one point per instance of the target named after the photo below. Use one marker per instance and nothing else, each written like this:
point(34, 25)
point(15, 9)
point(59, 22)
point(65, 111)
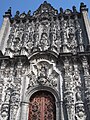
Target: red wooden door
point(42, 107)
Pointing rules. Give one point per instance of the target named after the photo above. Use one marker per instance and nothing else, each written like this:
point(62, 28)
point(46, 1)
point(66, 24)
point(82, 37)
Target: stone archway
point(42, 106)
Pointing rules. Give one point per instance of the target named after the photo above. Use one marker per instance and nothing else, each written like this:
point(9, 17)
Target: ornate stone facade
point(48, 53)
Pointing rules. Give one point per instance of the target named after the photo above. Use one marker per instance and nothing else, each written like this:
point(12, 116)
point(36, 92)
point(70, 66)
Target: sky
point(25, 5)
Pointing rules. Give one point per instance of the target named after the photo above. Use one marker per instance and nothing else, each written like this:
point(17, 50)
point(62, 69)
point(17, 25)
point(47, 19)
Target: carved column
point(79, 100)
point(64, 42)
point(6, 91)
point(11, 91)
point(78, 30)
point(7, 108)
point(87, 82)
point(63, 32)
point(68, 92)
point(22, 115)
point(1, 87)
point(55, 36)
point(14, 104)
point(15, 95)
point(36, 34)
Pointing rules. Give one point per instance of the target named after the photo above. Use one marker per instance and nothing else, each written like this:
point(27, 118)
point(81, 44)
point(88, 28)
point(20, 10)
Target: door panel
point(42, 106)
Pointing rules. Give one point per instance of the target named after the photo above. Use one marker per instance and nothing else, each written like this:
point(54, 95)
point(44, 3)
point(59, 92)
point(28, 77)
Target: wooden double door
point(42, 106)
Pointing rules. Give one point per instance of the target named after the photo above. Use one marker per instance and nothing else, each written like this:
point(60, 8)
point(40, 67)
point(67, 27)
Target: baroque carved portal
point(42, 106)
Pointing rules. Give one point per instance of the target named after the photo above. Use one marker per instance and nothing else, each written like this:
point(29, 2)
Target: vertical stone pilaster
point(87, 83)
point(68, 92)
point(4, 32)
point(78, 89)
point(78, 30)
point(84, 11)
point(24, 111)
point(24, 104)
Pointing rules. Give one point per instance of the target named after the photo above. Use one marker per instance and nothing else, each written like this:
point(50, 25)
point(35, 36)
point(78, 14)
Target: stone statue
point(43, 71)
point(44, 42)
point(80, 112)
point(78, 95)
point(7, 96)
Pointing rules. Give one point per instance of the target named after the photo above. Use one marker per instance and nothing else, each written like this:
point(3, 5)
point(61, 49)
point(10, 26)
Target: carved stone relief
point(12, 84)
point(43, 73)
point(42, 35)
point(44, 42)
point(71, 40)
point(69, 92)
point(80, 112)
point(73, 94)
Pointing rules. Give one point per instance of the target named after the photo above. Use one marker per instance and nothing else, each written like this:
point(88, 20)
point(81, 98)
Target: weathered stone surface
point(46, 51)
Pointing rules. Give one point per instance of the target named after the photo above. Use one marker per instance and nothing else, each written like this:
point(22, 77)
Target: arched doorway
point(42, 106)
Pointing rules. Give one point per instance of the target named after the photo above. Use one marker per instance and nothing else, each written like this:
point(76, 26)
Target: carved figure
point(78, 95)
point(16, 44)
point(7, 96)
point(36, 40)
point(72, 44)
point(43, 71)
point(80, 113)
point(44, 42)
point(32, 79)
